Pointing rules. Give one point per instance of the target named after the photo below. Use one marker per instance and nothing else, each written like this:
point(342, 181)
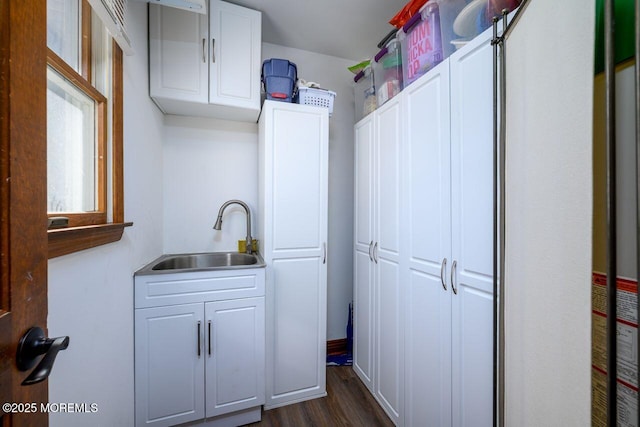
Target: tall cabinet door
point(236, 34)
point(472, 232)
point(234, 349)
point(386, 254)
point(427, 213)
point(294, 169)
point(363, 292)
point(178, 54)
point(169, 364)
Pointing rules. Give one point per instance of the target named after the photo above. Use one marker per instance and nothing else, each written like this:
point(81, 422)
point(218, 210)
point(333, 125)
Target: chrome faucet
point(218, 225)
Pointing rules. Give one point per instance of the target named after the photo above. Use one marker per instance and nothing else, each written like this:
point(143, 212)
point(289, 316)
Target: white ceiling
point(349, 29)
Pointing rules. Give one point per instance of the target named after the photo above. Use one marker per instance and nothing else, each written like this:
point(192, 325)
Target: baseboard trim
point(337, 346)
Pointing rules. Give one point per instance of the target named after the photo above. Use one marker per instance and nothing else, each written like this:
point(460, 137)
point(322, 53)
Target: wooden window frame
point(91, 229)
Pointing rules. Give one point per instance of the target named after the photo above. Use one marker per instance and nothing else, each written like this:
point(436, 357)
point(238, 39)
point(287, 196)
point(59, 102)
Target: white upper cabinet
point(177, 61)
point(235, 64)
point(206, 65)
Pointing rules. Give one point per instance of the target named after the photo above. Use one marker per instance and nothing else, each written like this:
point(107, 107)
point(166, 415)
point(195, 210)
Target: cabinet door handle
point(213, 50)
point(375, 253)
point(324, 252)
point(370, 246)
point(204, 51)
point(209, 340)
point(199, 339)
point(453, 275)
point(443, 267)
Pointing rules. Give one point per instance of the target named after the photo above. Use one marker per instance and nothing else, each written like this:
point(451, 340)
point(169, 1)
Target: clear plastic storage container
point(364, 93)
point(429, 37)
point(477, 16)
point(421, 41)
point(387, 71)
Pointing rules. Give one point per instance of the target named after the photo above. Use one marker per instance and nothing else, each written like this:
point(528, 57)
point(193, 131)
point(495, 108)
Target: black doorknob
point(33, 344)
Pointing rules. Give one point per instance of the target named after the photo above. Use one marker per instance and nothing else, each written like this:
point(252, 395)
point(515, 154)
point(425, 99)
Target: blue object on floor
point(339, 360)
point(344, 359)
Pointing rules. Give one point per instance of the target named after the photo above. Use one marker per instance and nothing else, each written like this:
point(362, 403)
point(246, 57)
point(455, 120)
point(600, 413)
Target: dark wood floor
point(348, 403)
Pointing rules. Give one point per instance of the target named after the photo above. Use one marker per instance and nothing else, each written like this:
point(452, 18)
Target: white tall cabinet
point(378, 308)
point(472, 233)
point(293, 198)
point(433, 200)
point(427, 216)
point(363, 269)
point(206, 65)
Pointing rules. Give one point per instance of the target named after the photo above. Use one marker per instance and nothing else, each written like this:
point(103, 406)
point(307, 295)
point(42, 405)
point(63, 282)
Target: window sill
point(63, 241)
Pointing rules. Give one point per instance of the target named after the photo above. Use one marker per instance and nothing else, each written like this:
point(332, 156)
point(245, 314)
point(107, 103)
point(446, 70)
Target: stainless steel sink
point(203, 261)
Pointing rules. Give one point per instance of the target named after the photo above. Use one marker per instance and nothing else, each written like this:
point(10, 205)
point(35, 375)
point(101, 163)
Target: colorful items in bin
point(411, 8)
point(387, 72)
point(355, 69)
point(364, 93)
point(478, 14)
point(279, 78)
point(421, 41)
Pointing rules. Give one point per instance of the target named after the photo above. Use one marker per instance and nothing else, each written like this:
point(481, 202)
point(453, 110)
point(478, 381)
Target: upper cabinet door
point(178, 54)
point(235, 50)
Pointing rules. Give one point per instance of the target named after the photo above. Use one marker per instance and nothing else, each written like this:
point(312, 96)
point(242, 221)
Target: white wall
point(91, 292)
point(208, 162)
point(547, 281)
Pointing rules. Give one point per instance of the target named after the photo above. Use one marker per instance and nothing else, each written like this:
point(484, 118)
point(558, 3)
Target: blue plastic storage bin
point(279, 78)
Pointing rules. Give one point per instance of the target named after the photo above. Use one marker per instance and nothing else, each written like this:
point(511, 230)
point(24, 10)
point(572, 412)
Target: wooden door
point(23, 197)
point(427, 218)
point(472, 232)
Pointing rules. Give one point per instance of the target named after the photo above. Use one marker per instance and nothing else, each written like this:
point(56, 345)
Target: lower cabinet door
point(296, 331)
point(169, 364)
point(235, 355)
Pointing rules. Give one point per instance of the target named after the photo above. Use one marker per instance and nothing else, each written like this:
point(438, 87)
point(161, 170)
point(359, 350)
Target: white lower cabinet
point(423, 315)
point(200, 360)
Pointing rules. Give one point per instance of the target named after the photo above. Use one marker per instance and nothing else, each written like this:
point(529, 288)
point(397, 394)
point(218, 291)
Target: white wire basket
point(317, 97)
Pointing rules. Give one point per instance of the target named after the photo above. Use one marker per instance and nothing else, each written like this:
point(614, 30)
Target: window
point(84, 130)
